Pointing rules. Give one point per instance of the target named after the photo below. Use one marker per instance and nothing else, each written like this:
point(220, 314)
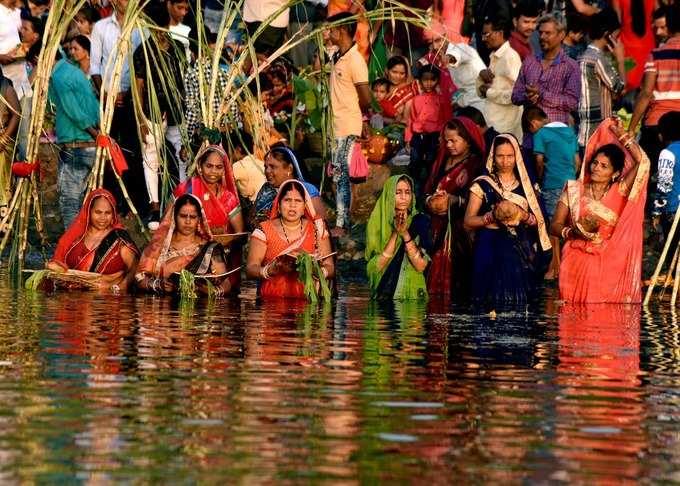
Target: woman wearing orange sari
point(403, 89)
point(600, 217)
point(96, 242)
point(293, 228)
point(182, 242)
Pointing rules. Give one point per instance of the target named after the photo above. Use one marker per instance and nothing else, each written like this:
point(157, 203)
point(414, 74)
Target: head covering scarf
point(601, 137)
point(267, 194)
point(217, 207)
point(529, 192)
point(411, 283)
point(76, 232)
point(317, 224)
point(478, 146)
point(151, 260)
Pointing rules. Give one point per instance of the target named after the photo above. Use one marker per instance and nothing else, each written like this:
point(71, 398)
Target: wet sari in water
point(509, 262)
point(161, 260)
point(607, 269)
point(450, 272)
point(288, 285)
point(72, 254)
point(399, 280)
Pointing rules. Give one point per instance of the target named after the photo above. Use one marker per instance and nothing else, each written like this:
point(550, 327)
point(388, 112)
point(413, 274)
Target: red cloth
point(218, 206)
point(396, 102)
point(25, 169)
point(520, 45)
point(478, 147)
point(428, 114)
point(636, 49)
point(119, 163)
point(609, 271)
point(70, 254)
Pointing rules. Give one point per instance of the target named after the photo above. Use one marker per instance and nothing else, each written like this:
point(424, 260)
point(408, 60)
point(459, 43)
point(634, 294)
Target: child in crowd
point(427, 116)
point(380, 88)
point(557, 161)
point(668, 178)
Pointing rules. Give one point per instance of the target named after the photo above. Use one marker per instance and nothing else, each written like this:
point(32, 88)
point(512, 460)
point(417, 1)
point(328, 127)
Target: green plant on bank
point(243, 73)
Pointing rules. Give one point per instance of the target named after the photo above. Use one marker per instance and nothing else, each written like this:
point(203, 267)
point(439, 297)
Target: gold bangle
point(387, 255)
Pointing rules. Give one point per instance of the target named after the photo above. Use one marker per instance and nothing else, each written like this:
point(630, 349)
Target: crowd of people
point(517, 169)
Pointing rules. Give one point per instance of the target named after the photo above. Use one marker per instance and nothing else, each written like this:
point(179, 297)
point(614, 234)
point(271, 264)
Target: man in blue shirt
point(668, 178)
point(77, 121)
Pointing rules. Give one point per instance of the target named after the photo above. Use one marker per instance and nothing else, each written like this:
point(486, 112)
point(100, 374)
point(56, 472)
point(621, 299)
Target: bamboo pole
point(662, 258)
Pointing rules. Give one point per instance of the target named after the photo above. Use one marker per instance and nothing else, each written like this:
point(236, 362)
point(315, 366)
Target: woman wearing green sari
point(397, 244)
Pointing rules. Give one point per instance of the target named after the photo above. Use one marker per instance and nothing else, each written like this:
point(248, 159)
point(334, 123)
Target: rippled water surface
point(140, 389)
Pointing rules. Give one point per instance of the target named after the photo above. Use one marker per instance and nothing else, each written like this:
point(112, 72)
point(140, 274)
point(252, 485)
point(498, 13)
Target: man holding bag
point(350, 95)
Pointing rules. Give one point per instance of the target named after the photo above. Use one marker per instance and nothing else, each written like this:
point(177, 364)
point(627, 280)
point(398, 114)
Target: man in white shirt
point(497, 82)
point(256, 12)
point(14, 68)
point(465, 66)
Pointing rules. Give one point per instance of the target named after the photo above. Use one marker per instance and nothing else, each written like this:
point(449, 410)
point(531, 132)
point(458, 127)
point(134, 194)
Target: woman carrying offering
point(183, 242)
point(512, 246)
point(397, 244)
point(600, 218)
point(458, 163)
point(292, 233)
point(96, 242)
point(280, 165)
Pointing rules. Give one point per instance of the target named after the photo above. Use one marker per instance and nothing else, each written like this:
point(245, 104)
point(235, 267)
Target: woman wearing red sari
point(403, 89)
point(215, 187)
point(600, 217)
point(459, 162)
point(293, 228)
point(97, 242)
point(183, 242)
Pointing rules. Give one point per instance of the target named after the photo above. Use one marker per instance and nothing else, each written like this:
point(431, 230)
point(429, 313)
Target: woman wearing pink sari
point(600, 218)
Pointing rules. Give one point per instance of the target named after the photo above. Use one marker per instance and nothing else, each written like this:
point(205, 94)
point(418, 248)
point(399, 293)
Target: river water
point(100, 389)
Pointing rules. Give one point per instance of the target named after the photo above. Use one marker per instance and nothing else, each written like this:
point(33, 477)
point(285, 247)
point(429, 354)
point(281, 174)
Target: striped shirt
point(665, 63)
point(559, 85)
point(599, 81)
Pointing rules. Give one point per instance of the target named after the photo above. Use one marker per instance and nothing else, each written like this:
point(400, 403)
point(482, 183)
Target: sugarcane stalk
point(676, 286)
point(669, 275)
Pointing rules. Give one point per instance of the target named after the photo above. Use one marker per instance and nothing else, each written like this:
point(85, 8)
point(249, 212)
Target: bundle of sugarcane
point(107, 105)
point(25, 201)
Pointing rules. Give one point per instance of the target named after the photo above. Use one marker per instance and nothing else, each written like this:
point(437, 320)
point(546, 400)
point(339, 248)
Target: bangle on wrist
point(565, 232)
point(387, 255)
point(406, 242)
point(488, 218)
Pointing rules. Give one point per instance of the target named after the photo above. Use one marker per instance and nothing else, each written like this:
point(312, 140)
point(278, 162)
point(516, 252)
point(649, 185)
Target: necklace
point(592, 193)
point(283, 227)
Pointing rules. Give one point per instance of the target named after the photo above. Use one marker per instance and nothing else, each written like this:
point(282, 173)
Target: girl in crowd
point(397, 244)
point(512, 246)
point(182, 242)
point(600, 217)
point(280, 165)
point(458, 163)
point(292, 228)
point(97, 242)
point(80, 53)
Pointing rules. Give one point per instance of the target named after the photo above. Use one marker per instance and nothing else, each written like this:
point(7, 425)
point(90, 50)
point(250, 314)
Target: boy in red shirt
point(428, 113)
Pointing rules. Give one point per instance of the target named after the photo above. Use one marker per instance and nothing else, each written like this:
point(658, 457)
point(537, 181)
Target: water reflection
point(101, 391)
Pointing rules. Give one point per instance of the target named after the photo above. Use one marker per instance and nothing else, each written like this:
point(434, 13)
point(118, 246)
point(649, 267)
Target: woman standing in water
point(512, 247)
point(397, 244)
point(600, 217)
